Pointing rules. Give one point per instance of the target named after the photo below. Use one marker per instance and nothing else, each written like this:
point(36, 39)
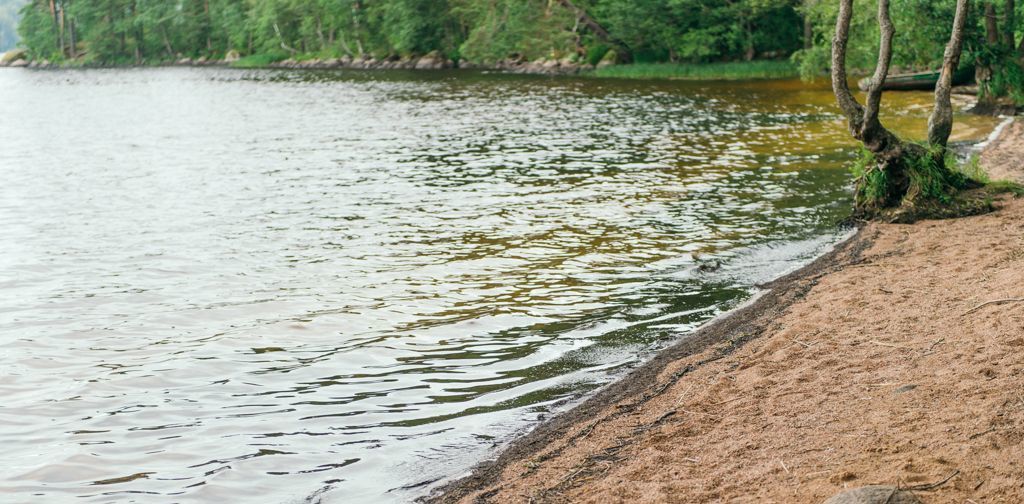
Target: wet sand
point(896, 359)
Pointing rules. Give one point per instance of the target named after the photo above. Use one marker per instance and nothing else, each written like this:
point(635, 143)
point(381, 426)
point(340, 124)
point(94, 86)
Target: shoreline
point(850, 371)
point(764, 69)
point(723, 334)
point(426, 62)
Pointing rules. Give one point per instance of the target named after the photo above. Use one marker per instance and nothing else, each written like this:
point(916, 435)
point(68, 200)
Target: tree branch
point(887, 31)
point(847, 103)
point(599, 31)
point(940, 124)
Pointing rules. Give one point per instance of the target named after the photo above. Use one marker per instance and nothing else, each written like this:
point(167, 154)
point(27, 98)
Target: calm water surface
point(274, 286)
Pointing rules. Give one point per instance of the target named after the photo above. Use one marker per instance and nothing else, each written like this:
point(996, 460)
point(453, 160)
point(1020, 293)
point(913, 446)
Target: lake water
point(276, 286)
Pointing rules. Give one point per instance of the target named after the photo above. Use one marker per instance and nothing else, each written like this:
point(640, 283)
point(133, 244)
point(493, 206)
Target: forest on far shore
point(488, 31)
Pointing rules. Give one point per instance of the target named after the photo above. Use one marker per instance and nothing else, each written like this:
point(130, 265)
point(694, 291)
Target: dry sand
point(897, 359)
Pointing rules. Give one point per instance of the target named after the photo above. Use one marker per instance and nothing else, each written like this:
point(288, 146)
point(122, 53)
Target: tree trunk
point(58, 41)
point(750, 52)
point(284, 46)
point(139, 36)
point(1009, 25)
point(983, 71)
point(940, 124)
point(624, 52)
point(60, 23)
point(808, 33)
point(357, 6)
point(74, 38)
point(208, 27)
point(991, 28)
point(863, 120)
point(167, 42)
point(320, 33)
point(888, 181)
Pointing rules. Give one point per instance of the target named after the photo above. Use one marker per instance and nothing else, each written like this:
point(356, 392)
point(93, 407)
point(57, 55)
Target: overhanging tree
point(900, 180)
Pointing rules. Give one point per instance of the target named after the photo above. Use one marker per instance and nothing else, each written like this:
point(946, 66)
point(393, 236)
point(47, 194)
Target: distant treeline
point(485, 31)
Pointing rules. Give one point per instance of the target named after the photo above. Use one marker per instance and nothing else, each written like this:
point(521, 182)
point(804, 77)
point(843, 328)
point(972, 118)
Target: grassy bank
point(702, 71)
point(258, 60)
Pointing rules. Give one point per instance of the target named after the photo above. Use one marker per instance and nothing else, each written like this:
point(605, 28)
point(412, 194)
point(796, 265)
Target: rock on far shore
point(433, 60)
point(436, 61)
point(13, 56)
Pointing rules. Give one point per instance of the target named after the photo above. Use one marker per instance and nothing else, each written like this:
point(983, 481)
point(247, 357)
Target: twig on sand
point(716, 417)
point(986, 431)
point(891, 345)
point(783, 464)
point(932, 486)
point(737, 398)
point(805, 345)
point(994, 302)
point(933, 345)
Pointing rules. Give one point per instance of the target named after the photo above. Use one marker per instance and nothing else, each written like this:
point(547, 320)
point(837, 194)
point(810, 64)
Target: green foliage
point(260, 60)
point(705, 71)
point(525, 29)
point(481, 31)
point(1006, 76)
point(1005, 187)
point(702, 30)
point(972, 169)
point(922, 31)
point(934, 177)
point(923, 183)
point(596, 53)
point(872, 183)
point(687, 32)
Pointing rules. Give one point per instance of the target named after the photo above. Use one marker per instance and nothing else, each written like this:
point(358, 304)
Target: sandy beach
point(897, 359)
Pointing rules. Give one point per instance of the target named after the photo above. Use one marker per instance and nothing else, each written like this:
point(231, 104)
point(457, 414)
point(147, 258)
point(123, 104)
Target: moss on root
point(923, 183)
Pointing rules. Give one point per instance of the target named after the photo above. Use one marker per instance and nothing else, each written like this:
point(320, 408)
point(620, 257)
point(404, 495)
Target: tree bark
point(940, 124)
point(897, 194)
point(74, 37)
point(167, 42)
point(320, 33)
point(1010, 24)
point(56, 27)
point(808, 32)
point(208, 27)
point(599, 31)
point(991, 28)
point(284, 46)
point(60, 23)
point(863, 120)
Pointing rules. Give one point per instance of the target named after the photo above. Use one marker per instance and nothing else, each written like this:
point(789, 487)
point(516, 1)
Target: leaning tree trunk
point(624, 53)
point(863, 120)
point(940, 123)
point(890, 182)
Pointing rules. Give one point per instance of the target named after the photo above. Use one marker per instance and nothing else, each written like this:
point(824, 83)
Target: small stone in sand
point(875, 494)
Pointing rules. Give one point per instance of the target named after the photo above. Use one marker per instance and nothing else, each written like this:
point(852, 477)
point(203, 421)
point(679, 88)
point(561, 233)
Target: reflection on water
point(228, 285)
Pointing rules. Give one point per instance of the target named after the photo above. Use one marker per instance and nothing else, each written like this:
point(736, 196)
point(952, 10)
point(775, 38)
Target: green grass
point(1006, 187)
point(766, 69)
point(260, 60)
point(934, 188)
